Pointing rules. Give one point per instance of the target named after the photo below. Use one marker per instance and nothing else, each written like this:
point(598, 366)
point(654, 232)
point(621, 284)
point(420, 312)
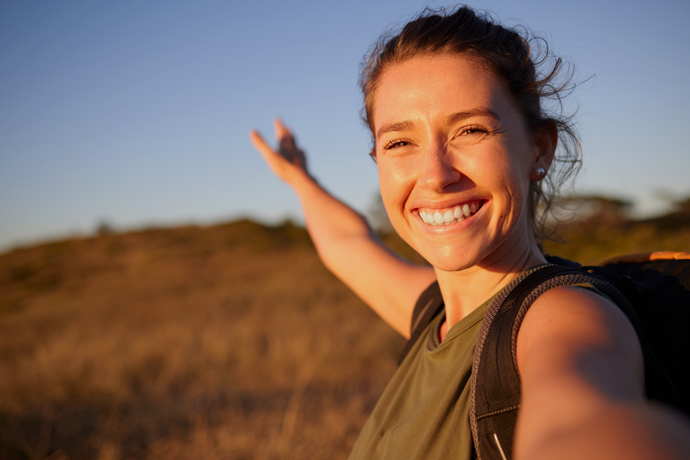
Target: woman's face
point(454, 158)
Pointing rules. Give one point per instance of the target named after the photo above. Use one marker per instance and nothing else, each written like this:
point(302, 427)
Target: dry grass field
point(228, 342)
point(224, 342)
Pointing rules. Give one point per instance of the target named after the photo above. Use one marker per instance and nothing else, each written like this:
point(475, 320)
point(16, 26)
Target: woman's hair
point(508, 55)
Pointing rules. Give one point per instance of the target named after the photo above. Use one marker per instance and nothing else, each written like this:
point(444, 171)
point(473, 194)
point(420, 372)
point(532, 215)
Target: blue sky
point(137, 112)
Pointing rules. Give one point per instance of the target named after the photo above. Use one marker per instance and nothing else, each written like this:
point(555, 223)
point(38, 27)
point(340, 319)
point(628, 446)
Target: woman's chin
point(449, 261)
point(451, 266)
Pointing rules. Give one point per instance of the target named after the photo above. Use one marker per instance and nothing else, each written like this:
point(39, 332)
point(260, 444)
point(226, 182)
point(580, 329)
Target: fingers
point(280, 129)
point(286, 158)
point(274, 160)
point(286, 141)
point(281, 133)
point(260, 144)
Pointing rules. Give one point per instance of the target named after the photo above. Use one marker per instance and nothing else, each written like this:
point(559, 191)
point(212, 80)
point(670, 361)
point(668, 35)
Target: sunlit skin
point(448, 133)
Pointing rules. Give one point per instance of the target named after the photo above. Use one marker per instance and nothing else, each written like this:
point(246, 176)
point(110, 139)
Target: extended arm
point(582, 386)
point(344, 240)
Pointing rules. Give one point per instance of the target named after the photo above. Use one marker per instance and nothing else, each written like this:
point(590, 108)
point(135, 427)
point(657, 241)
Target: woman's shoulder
point(577, 337)
point(578, 313)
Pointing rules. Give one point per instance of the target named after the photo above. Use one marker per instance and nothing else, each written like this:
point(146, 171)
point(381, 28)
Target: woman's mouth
point(449, 216)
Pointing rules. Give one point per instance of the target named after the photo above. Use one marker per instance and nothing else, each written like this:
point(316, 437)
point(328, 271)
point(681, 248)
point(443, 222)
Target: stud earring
point(540, 173)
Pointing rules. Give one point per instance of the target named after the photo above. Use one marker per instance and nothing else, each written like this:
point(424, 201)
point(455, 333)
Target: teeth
point(450, 216)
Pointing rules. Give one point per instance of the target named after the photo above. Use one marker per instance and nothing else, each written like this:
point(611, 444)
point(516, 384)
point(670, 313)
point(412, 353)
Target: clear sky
point(137, 112)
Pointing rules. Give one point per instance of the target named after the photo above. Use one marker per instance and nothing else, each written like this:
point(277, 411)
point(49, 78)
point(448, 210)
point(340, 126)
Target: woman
point(464, 150)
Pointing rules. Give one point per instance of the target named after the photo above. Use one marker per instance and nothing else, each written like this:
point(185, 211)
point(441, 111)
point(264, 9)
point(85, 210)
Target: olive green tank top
point(424, 411)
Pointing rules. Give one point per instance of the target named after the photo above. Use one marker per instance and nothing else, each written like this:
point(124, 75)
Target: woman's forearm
point(350, 248)
point(631, 432)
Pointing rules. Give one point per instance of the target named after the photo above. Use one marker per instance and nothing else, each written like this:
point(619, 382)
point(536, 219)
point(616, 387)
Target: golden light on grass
point(226, 342)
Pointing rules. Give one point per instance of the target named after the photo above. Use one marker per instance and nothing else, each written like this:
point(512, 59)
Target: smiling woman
point(463, 149)
point(464, 144)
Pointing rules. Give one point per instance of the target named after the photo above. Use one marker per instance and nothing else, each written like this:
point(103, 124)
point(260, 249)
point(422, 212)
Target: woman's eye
point(472, 130)
point(396, 144)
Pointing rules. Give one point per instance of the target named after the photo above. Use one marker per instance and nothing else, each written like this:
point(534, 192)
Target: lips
point(447, 216)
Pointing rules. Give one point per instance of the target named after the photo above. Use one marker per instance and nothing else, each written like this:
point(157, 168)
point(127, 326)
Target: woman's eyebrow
point(399, 126)
point(460, 116)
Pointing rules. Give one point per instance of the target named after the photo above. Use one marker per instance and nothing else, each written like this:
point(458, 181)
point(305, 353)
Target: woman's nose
point(438, 170)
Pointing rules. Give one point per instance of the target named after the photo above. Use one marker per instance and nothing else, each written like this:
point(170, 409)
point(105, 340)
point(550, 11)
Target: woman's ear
point(546, 141)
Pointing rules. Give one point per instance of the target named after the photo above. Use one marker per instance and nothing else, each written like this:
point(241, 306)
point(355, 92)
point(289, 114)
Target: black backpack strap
point(495, 386)
point(429, 304)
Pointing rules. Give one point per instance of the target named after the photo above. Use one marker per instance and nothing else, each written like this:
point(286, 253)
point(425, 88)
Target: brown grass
point(226, 342)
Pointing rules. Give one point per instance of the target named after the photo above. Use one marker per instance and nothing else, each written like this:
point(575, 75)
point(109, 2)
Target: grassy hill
point(229, 342)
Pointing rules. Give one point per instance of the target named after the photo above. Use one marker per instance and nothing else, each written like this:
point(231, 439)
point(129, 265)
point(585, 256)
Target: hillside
point(230, 341)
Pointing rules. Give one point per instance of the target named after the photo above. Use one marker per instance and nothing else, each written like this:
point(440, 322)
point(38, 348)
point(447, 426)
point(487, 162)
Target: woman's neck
point(465, 290)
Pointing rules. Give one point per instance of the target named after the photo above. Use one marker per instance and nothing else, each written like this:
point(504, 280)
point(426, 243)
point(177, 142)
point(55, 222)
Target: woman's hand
point(288, 161)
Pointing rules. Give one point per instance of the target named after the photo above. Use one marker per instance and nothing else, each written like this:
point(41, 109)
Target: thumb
point(261, 145)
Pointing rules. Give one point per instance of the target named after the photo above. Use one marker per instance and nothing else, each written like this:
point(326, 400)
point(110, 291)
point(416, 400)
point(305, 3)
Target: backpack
point(653, 290)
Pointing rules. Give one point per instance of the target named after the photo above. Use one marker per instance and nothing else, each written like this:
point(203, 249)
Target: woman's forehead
point(440, 84)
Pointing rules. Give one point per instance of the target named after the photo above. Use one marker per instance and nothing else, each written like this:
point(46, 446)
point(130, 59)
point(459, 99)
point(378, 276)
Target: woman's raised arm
point(345, 242)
